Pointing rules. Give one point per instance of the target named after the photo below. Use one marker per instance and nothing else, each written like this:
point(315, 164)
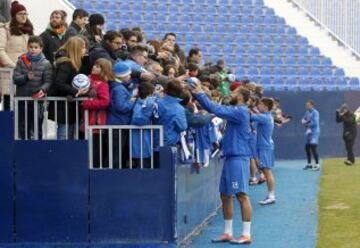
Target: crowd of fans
point(132, 80)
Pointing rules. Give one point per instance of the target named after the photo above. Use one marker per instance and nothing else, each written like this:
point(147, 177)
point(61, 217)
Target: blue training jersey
point(312, 118)
point(265, 128)
point(237, 133)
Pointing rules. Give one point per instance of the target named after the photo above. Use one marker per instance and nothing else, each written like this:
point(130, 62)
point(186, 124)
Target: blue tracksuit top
point(143, 113)
point(172, 117)
point(265, 128)
point(237, 133)
point(312, 118)
point(120, 108)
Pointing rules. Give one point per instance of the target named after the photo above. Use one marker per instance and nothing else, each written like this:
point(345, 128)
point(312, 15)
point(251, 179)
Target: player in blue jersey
point(236, 171)
point(312, 125)
point(265, 145)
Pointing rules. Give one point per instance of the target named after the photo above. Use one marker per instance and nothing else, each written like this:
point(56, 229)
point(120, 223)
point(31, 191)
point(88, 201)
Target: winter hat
point(16, 7)
point(234, 86)
point(121, 69)
point(96, 19)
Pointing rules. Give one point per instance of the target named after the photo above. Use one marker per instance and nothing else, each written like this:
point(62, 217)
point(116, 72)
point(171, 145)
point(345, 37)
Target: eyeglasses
point(22, 14)
point(117, 43)
point(133, 41)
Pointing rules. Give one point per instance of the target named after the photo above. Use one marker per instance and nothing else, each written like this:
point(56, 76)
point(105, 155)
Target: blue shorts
point(266, 158)
point(312, 139)
point(235, 176)
point(253, 148)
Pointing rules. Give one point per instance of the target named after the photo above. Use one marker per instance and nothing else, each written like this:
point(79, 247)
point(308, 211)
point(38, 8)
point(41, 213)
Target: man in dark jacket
point(345, 116)
point(111, 43)
point(54, 35)
point(80, 19)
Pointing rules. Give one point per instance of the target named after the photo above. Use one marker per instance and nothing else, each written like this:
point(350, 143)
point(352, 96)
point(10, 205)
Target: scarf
point(60, 32)
point(34, 58)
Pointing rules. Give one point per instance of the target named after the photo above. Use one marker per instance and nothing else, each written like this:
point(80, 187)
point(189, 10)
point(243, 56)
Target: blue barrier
point(58, 200)
point(51, 191)
point(133, 206)
point(197, 196)
point(6, 176)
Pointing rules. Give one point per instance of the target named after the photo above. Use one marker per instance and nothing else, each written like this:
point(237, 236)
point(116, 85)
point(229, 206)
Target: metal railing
point(341, 19)
point(32, 117)
point(6, 85)
point(114, 148)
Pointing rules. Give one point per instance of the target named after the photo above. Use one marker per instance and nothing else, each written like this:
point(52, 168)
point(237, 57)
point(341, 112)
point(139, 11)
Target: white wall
point(40, 10)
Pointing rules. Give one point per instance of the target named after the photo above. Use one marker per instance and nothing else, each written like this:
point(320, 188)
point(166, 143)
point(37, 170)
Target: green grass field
point(339, 205)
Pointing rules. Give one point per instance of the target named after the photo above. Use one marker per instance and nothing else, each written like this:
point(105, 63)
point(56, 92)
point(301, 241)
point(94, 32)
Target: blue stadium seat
point(341, 83)
point(327, 71)
point(291, 31)
point(291, 82)
point(265, 71)
point(279, 60)
point(291, 71)
point(270, 20)
point(303, 71)
point(253, 60)
point(315, 51)
point(315, 71)
point(315, 60)
point(253, 71)
point(354, 83)
point(265, 60)
point(302, 60)
point(339, 72)
point(303, 40)
point(265, 81)
point(327, 61)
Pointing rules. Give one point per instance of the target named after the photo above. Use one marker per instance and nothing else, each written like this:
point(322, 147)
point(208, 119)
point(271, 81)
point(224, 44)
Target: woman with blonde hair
point(67, 65)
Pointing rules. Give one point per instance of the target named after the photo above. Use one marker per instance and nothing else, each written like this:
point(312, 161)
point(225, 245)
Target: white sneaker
point(316, 167)
point(267, 201)
point(308, 166)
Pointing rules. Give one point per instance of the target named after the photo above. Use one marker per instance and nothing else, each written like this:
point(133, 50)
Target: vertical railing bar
point(26, 120)
point(130, 148)
point(77, 120)
point(152, 148)
point(100, 150)
point(66, 119)
point(110, 138)
point(36, 121)
point(86, 122)
point(120, 149)
point(56, 116)
point(45, 119)
point(161, 131)
point(91, 153)
point(16, 119)
point(141, 150)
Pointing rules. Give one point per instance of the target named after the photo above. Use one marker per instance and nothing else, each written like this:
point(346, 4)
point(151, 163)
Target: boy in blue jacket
point(172, 114)
point(145, 110)
point(236, 171)
point(311, 123)
point(265, 145)
point(120, 111)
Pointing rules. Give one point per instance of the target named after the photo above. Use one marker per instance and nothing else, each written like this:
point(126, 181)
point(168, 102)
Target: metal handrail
point(110, 144)
point(326, 28)
point(44, 102)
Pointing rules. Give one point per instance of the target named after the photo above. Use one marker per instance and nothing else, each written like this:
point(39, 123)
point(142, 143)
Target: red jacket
point(97, 105)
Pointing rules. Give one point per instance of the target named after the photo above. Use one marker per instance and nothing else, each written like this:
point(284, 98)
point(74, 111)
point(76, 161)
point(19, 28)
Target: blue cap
point(121, 69)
